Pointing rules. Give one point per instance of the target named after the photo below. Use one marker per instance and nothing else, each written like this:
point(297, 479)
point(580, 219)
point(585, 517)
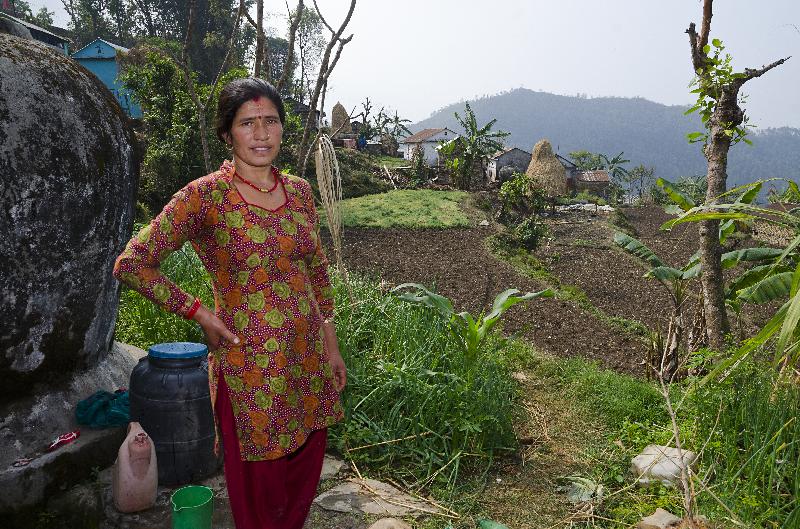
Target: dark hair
point(237, 93)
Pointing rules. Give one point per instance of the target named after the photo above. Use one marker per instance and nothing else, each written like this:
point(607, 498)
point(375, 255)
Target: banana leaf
point(637, 249)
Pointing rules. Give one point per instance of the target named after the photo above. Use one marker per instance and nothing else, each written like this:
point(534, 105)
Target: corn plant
point(470, 331)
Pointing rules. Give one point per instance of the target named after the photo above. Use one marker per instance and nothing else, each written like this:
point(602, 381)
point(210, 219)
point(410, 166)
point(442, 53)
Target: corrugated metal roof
point(426, 134)
point(593, 176)
point(507, 150)
point(33, 26)
point(116, 47)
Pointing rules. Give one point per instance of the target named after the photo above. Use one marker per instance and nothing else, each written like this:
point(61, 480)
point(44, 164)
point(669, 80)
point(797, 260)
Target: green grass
point(390, 162)
point(406, 208)
point(751, 426)
point(142, 323)
point(442, 419)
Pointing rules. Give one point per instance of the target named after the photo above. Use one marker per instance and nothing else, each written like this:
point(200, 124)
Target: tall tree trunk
point(727, 116)
point(716, 152)
point(259, 38)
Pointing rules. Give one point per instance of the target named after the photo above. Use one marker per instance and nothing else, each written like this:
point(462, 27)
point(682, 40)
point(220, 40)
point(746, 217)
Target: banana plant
point(470, 331)
point(745, 288)
point(777, 280)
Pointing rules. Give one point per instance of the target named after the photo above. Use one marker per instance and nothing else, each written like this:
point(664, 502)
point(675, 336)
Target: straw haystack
point(546, 172)
point(340, 120)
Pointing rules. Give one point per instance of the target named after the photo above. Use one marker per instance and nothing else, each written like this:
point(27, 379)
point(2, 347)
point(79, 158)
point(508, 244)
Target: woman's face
point(256, 133)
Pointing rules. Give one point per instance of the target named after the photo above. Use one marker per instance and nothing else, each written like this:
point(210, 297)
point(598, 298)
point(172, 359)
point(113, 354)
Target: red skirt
point(274, 494)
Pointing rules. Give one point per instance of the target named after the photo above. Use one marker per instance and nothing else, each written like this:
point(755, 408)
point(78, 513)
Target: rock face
point(660, 519)
point(29, 474)
point(662, 463)
point(69, 174)
point(12, 28)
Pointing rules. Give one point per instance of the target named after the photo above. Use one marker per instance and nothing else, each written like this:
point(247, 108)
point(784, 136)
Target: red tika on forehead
point(256, 99)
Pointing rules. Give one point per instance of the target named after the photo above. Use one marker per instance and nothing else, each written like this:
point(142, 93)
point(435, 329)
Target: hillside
point(648, 132)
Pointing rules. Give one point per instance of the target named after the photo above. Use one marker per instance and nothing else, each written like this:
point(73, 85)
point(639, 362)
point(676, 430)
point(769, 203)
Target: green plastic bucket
point(192, 507)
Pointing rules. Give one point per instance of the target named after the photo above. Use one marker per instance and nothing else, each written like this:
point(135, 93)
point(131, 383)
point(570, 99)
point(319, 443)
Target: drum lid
point(178, 350)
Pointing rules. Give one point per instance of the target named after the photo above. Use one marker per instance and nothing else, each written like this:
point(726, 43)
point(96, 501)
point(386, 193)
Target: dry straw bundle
point(329, 182)
point(546, 172)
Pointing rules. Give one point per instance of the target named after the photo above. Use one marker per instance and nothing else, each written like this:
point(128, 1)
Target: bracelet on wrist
point(193, 309)
point(327, 320)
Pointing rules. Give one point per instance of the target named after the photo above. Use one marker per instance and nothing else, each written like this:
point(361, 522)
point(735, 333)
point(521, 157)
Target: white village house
point(510, 156)
point(429, 139)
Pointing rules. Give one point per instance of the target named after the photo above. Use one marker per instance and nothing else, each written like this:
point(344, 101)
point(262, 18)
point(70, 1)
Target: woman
point(275, 370)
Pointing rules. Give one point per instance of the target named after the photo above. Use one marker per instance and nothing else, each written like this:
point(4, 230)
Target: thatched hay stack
point(546, 172)
point(340, 118)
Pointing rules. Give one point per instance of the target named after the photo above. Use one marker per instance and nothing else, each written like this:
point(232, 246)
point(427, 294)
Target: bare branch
point(188, 36)
point(752, 73)
point(698, 57)
point(290, 48)
point(324, 74)
point(250, 19)
point(342, 42)
point(705, 27)
point(322, 18)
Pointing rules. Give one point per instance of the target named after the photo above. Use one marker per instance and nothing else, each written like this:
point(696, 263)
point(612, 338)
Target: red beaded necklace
point(262, 189)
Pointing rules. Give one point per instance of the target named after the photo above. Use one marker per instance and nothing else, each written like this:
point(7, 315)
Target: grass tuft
point(406, 208)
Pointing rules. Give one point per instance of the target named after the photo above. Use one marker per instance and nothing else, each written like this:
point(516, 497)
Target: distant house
point(596, 182)
point(429, 140)
point(509, 157)
point(57, 42)
point(302, 110)
point(102, 59)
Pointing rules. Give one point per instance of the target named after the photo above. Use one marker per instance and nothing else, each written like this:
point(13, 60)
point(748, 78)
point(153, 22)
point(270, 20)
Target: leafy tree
point(473, 147)
point(22, 9)
point(638, 179)
point(587, 161)
point(719, 106)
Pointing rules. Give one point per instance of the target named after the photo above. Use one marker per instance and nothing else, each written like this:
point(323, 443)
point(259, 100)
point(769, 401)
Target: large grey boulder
point(68, 178)
point(13, 28)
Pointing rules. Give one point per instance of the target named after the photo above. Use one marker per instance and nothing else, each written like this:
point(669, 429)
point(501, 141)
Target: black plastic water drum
point(169, 397)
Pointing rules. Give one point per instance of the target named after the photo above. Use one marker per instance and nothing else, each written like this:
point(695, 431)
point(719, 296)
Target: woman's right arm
point(138, 266)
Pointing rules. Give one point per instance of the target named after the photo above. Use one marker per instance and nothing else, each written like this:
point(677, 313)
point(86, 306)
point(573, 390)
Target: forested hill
point(648, 133)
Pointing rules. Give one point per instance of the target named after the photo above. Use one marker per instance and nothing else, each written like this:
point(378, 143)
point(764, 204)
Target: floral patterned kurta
point(271, 288)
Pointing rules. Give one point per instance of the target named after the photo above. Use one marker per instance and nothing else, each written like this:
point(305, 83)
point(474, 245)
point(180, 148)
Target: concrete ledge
point(28, 426)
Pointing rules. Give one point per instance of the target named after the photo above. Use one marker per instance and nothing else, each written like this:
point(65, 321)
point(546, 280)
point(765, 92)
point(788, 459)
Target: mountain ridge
point(647, 132)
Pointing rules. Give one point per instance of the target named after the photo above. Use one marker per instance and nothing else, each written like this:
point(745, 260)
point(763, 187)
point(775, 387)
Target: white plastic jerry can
point(135, 476)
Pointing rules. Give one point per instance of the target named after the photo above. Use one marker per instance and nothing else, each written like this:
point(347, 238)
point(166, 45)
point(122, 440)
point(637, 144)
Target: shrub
point(528, 233)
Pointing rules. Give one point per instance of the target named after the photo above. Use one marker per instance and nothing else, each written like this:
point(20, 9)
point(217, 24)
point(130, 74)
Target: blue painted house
point(100, 58)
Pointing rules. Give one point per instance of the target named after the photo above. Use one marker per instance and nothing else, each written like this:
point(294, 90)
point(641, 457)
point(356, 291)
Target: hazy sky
point(417, 56)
